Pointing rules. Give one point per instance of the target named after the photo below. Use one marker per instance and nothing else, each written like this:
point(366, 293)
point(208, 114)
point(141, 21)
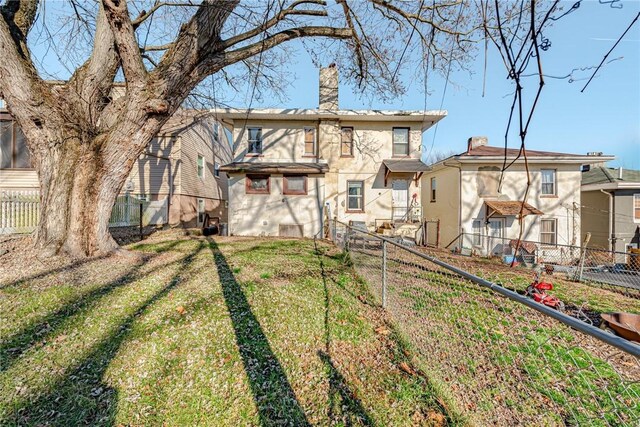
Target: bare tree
point(84, 140)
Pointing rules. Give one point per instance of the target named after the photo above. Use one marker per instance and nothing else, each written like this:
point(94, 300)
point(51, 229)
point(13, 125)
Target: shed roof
point(275, 167)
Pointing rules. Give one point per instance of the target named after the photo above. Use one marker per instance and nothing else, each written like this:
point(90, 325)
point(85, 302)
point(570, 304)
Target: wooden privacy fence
point(20, 211)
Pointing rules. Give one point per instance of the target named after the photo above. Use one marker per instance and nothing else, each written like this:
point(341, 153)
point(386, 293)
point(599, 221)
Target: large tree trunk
point(79, 184)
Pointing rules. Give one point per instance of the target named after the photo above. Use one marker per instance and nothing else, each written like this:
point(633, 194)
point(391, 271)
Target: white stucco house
point(292, 168)
point(468, 193)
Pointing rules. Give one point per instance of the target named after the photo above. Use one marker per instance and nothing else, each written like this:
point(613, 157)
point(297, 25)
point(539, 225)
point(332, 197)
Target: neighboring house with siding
point(611, 207)
point(180, 167)
point(469, 194)
point(294, 167)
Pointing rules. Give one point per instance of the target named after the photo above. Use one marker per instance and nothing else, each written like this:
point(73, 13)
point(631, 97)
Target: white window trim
point(477, 232)
point(554, 182)
point(198, 166)
point(555, 232)
point(249, 129)
point(216, 169)
point(204, 210)
point(633, 207)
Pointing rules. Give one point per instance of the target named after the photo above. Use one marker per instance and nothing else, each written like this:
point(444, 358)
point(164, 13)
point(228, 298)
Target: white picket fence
point(126, 212)
point(20, 212)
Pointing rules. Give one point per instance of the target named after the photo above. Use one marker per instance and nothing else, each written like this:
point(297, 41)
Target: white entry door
point(495, 233)
point(400, 198)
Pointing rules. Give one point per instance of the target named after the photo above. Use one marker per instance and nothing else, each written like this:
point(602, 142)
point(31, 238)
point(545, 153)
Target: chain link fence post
point(384, 274)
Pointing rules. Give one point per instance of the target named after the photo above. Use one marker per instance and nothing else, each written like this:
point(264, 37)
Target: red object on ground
point(537, 291)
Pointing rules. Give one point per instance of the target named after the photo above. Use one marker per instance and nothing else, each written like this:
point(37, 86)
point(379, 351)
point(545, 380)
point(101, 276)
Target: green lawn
point(225, 331)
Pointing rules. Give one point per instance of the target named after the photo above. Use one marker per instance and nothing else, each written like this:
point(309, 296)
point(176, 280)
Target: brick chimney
point(476, 141)
point(329, 88)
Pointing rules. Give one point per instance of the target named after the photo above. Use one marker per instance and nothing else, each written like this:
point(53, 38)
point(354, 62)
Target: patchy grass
point(497, 361)
point(211, 332)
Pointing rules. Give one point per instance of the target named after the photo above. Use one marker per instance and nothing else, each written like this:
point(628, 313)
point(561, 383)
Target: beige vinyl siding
point(199, 139)
point(151, 175)
point(19, 179)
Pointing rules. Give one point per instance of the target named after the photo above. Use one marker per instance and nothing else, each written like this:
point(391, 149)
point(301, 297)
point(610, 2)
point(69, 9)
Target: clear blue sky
point(606, 117)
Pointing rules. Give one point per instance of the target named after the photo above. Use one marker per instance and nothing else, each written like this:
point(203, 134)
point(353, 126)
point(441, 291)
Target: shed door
point(400, 197)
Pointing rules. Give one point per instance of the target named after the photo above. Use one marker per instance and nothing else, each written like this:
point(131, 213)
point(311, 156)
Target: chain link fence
point(575, 263)
point(497, 357)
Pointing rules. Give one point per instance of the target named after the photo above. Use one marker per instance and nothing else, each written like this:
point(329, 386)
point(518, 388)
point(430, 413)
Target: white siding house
point(473, 196)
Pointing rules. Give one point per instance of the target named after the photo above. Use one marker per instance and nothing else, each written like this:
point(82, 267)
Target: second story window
point(346, 143)
point(255, 141)
point(636, 207)
point(400, 142)
point(200, 167)
point(309, 141)
point(13, 149)
point(548, 182)
point(216, 169)
point(433, 189)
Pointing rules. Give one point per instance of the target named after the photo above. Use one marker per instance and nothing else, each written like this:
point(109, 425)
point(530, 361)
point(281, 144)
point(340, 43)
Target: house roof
point(601, 174)
point(511, 208)
point(427, 118)
point(275, 167)
point(603, 178)
point(405, 165)
point(490, 154)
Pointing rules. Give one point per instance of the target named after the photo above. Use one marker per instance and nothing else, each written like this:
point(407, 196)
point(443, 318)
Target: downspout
point(611, 242)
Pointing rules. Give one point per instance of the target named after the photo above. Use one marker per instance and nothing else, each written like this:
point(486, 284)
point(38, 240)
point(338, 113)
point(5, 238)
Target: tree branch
point(275, 20)
point(120, 22)
point(286, 35)
point(21, 14)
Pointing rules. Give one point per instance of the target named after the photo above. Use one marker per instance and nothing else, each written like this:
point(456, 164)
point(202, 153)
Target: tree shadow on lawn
point(81, 397)
point(11, 348)
point(273, 395)
point(344, 406)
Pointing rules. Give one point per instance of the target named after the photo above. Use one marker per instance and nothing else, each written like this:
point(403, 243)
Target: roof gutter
point(611, 186)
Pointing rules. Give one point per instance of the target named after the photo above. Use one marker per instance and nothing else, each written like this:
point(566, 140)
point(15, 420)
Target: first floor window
point(355, 196)
point(400, 142)
point(13, 149)
point(548, 182)
point(309, 141)
point(477, 232)
point(294, 184)
point(346, 142)
point(255, 141)
point(200, 166)
point(201, 211)
point(636, 207)
point(548, 231)
point(257, 184)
